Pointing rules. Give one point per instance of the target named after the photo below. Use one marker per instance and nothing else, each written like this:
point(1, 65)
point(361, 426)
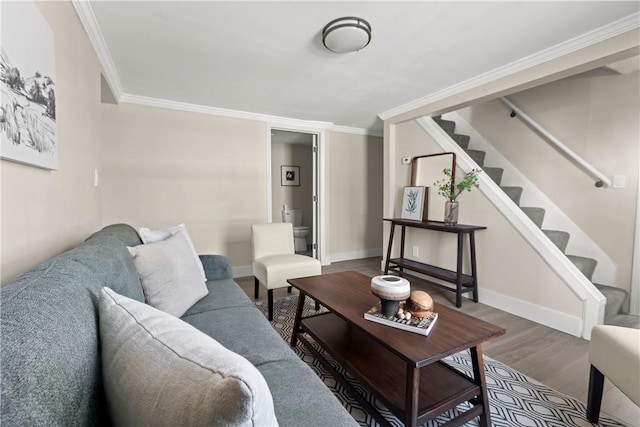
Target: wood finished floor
point(553, 358)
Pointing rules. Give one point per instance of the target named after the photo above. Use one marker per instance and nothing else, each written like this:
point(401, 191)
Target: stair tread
point(558, 237)
point(448, 126)
point(584, 264)
point(535, 214)
point(624, 320)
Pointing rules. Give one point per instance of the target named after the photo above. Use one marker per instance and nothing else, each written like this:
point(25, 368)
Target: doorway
point(294, 186)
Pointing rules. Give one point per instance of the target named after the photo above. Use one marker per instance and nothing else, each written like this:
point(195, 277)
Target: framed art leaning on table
point(413, 203)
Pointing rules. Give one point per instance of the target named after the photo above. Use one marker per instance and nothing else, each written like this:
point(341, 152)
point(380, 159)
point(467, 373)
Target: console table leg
point(386, 264)
point(411, 400)
point(479, 378)
point(459, 271)
point(474, 273)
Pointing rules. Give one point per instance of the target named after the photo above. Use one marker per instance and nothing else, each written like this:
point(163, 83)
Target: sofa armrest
point(216, 267)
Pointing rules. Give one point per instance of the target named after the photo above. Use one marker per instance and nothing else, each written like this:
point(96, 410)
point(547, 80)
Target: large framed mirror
point(427, 169)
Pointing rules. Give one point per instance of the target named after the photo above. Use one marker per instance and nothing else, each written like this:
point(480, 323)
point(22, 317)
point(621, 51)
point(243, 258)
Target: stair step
point(559, 238)
point(615, 299)
point(624, 320)
point(585, 265)
point(477, 156)
point(514, 193)
point(495, 174)
point(535, 214)
point(447, 125)
point(461, 140)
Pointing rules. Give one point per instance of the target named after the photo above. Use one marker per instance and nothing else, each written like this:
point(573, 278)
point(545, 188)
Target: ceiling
point(267, 57)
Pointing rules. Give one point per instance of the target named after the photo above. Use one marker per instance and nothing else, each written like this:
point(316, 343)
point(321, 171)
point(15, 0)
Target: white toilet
point(300, 232)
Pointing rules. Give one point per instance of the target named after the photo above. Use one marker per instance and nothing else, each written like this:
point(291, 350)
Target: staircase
point(616, 297)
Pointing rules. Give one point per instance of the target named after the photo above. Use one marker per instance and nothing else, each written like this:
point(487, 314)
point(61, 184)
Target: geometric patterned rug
point(514, 398)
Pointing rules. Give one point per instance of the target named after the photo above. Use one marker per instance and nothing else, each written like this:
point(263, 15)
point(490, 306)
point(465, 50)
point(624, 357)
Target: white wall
point(47, 212)
point(355, 183)
point(511, 275)
point(163, 167)
point(597, 115)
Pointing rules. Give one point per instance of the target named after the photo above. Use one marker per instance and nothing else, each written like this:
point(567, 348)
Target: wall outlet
point(416, 251)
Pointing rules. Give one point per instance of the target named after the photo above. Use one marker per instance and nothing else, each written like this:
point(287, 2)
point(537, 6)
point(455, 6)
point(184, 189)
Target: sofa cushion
point(153, 236)
point(222, 294)
point(170, 277)
point(244, 330)
point(159, 370)
point(297, 390)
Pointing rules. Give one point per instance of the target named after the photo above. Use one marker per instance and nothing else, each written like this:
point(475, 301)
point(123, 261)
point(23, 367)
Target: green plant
point(446, 187)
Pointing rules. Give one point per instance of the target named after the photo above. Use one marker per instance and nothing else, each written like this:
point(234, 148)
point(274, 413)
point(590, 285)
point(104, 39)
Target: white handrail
point(602, 180)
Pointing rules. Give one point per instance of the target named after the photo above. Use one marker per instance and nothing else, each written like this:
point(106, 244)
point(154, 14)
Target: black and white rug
point(514, 399)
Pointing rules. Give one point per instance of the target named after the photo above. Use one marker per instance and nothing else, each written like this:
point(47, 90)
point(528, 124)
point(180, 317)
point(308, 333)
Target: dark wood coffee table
point(403, 369)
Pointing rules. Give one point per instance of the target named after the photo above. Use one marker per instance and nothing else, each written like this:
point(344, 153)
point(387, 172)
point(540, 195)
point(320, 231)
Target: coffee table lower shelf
point(385, 374)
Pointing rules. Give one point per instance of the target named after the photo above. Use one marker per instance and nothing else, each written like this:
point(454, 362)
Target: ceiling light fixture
point(348, 34)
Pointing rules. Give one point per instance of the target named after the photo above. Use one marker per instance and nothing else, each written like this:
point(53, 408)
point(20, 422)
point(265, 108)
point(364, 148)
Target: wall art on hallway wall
point(289, 175)
point(27, 87)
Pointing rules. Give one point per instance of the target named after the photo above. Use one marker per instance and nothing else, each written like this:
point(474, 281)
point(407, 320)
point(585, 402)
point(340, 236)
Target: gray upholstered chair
point(275, 261)
point(614, 352)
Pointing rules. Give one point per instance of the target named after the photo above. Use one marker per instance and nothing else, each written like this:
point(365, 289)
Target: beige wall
point(354, 195)
point(47, 212)
point(163, 167)
point(507, 265)
point(295, 197)
point(597, 115)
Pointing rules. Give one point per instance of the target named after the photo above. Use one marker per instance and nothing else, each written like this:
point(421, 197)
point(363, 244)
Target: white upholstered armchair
point(275, 261)
point(614, 352)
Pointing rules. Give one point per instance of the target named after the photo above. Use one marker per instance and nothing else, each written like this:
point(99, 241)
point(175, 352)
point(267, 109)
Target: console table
point(463, 282)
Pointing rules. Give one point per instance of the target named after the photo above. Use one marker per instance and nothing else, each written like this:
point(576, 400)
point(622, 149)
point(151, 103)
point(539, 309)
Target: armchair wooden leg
point(270, 303)
point(256, 288)
point(289, 289)
point(596, 384)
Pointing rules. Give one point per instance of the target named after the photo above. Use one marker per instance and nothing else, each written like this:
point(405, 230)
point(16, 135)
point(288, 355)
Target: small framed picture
point(290, 175)
point(413, 203)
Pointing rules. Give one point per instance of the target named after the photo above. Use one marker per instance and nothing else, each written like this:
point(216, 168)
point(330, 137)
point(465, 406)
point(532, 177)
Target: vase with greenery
point(450, 190)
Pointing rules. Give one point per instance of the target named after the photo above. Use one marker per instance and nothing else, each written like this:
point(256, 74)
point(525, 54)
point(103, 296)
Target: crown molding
point(598, 35)
point(90, 24)
point(203, 109)
point(356, 131)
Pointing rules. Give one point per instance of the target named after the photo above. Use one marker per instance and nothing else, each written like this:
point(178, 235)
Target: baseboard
point(242, 271)
point(536, 313)
point(347, 256)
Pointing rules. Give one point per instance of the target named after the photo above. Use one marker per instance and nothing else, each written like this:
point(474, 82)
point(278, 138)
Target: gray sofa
point(50, 350)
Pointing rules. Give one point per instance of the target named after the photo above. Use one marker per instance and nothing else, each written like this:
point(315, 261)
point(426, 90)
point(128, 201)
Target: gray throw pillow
point(161, 371)
point(171, 279)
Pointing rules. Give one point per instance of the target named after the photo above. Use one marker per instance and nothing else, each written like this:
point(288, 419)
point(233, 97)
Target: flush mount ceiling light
point(348, 34)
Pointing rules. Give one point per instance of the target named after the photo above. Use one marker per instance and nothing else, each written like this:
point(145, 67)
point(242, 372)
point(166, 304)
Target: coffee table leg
point(296, 322)
point(411, 400)
point(479, 378)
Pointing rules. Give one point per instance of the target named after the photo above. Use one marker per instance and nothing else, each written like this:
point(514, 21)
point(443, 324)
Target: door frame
point(320, 179)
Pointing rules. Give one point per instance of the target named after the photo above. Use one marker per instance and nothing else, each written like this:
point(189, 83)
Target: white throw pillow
point(170, 277)
point(161, 371)
point(152, 236)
